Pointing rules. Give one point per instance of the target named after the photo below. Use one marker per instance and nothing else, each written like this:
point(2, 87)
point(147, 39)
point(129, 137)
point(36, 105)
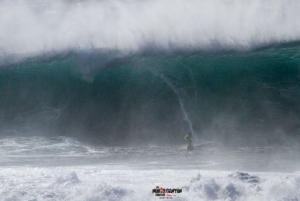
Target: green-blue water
point(232, 97)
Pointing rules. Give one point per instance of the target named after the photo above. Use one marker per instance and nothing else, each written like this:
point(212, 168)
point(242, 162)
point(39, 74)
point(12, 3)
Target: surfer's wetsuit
point(188, 137)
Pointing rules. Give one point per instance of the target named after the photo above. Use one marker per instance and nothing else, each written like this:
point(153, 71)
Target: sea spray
point(175, 90)
point(184, 113)
point(30, 29)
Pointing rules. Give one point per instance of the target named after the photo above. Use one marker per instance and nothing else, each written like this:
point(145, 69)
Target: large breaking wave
point(230, 97)
point(145, 72)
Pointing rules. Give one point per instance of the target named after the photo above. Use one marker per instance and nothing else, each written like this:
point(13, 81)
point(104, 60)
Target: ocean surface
point(96, 97)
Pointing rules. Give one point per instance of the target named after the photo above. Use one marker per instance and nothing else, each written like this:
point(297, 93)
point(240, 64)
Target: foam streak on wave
point(28, 28)
point(184, 113)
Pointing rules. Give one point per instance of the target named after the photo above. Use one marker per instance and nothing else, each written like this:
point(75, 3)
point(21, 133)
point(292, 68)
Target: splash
point(30, 28)
point(183, 110)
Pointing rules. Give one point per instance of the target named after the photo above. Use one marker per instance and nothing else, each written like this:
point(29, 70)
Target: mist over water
point(30, 28)
point(181, 103)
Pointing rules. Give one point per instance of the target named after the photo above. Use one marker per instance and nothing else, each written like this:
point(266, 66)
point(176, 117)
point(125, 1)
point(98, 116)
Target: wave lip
point(29, 29)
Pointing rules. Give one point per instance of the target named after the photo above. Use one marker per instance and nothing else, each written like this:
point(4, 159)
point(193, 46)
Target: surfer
point(188, 137)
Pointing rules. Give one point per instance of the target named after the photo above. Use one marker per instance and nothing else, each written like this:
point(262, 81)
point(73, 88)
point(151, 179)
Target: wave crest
point(30, 29)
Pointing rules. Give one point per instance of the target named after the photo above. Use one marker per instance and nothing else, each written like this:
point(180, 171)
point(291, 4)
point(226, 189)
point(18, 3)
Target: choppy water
point(63, 151)
point(61, 168)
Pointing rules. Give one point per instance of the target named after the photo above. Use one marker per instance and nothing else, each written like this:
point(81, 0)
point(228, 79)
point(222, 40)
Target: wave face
point(144, 72)
point(106, 97)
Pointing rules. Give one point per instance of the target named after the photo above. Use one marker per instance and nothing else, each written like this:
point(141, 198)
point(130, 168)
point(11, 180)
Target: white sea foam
point(98, 183)
point(44, 170)
point(28, 28)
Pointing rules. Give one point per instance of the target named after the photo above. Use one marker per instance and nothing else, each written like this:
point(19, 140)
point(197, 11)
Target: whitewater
point(96, 97)
point(61, 168)
point(31, 28)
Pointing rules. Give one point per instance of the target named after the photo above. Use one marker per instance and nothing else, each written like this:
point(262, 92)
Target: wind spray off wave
point(30, 28)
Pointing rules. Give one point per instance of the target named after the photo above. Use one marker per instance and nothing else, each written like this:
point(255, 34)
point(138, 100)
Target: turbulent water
point(94, 94)
point(61, 168)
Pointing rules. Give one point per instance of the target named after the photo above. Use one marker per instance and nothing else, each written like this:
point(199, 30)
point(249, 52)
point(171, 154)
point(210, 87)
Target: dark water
point(248, 98)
